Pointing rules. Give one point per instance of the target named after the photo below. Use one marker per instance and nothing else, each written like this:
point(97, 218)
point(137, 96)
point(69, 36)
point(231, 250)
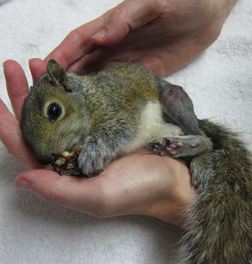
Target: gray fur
point(103, 113)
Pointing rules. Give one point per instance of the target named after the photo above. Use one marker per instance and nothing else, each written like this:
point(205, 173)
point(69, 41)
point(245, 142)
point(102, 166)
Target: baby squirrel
point(122, 108)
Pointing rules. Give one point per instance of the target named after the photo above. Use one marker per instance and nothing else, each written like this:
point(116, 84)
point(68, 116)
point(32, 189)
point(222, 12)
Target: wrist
point(171, 206)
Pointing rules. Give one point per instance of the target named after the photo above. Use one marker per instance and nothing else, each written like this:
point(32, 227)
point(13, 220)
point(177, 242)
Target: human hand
point(163, 35)
point(140, 183)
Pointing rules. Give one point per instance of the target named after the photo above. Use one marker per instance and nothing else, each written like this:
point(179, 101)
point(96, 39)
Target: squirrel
point(124, 107)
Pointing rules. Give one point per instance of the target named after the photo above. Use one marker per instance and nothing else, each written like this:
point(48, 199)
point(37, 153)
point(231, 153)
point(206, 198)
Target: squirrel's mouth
point(45, 160)
point(55, 156)
point(67, 162)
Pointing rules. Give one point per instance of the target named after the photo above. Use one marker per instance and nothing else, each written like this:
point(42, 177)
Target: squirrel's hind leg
point(181, 146)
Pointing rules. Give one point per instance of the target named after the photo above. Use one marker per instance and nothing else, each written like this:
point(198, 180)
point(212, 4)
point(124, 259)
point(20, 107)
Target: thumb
point(127, 16)
point(73, 192)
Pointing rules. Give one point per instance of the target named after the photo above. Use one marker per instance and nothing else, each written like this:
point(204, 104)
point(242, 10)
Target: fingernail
point(100, 34)
point(36, 60)
point(6, 62)
point(23, 184)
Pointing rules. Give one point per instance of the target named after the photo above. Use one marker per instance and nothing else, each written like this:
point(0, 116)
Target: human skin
point(161, 35)
point(175, 32)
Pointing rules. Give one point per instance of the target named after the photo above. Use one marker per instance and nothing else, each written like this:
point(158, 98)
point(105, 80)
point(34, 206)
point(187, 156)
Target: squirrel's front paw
point(92, 158)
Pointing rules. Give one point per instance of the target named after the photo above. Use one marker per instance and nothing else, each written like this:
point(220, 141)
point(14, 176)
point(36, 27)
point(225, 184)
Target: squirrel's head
point(52, 116)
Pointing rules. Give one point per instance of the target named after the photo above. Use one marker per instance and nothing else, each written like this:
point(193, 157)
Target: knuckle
point(118, 16)
point(160, 5)
point(73, 35)
point(117, 13)
point(77, 36)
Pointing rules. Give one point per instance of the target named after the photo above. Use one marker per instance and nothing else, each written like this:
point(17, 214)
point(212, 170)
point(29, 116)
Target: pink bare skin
point(163, 36)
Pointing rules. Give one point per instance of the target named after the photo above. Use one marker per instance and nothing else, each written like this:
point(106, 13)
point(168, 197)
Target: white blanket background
point(34, 231)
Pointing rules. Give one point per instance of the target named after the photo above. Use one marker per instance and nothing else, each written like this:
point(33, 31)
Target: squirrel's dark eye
point(54, 111)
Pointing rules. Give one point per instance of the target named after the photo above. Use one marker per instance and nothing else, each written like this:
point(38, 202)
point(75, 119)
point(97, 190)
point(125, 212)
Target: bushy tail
point(220, 220)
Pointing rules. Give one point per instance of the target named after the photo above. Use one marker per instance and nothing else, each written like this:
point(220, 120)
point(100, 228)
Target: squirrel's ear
point(57, 73)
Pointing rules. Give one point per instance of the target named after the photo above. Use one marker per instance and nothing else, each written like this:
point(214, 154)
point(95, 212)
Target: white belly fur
point(152, 126)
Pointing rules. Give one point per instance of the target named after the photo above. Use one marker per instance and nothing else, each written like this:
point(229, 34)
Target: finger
point(76, 44)
point(127, 16)
point(11, 137)
point(116, 25)
point(91, 62)
point(38, 67)
point(73, 192)
point(98, 58)
point(17, 85)
point(108, 29)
